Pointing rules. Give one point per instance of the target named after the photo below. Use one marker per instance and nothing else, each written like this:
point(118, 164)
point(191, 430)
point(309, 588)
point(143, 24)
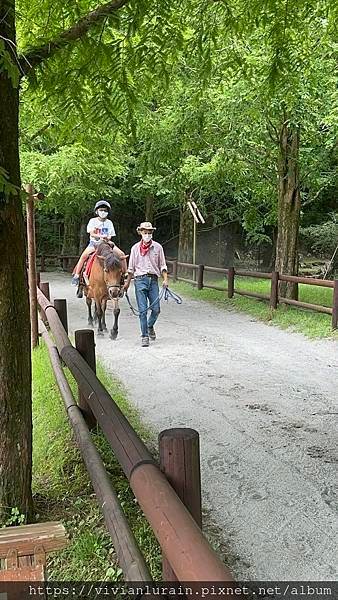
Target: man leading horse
point(147, 263)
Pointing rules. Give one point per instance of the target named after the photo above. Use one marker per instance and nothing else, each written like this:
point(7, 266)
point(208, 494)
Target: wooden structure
point(187, 551)
point(23, 551)
point(273, 298)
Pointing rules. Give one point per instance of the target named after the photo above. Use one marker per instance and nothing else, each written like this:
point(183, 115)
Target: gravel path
point(264, 403)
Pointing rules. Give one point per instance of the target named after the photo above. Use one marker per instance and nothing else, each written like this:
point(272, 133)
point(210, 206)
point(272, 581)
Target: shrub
point(320, 240)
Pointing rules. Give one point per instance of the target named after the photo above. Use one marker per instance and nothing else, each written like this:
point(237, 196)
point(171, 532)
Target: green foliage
point(62, 489)
point(320, 240)
point(6, 188)
point(73, 176)
point(7, 64)
point(309, 323)
point(15, 518)
point(164, 100)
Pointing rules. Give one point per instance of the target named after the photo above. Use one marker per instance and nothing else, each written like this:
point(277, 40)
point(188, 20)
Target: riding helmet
point(102, 202)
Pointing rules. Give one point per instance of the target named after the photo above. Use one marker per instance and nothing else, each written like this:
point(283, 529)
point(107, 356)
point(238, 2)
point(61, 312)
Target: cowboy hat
point(145, 225)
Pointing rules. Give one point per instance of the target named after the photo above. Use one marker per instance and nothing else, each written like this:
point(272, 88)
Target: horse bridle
point(119, 287)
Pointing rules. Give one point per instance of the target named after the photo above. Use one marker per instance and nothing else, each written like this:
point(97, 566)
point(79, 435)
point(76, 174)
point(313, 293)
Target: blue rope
point(169, 294)
point(165, 294)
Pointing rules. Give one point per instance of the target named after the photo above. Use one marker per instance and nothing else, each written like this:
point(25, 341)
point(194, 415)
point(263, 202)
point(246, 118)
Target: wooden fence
point(64, 261)
point(273, 298)
point(67, 262)
point(159, 489)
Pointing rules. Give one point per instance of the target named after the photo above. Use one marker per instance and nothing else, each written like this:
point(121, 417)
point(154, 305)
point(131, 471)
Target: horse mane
point(111, 261)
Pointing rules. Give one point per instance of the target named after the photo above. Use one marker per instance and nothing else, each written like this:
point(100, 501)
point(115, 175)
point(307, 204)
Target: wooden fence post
point(44, 287)
point(180, 463)
point(274, 289)
point(60, 306)
point(335, 305)
point(200, 274)
point(174, 271)
point(31, 251)
point(231, 282)
point(85, 344)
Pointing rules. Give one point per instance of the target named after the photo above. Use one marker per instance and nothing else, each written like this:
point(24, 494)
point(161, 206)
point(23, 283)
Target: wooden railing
point(273, 297)
point(187, 555)
point(65, 261)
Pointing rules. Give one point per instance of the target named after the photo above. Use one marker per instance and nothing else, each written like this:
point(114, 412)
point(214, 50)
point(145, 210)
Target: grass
point(62, 489)
point(309, 323)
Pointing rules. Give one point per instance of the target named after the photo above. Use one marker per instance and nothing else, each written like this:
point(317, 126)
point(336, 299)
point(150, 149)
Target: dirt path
point(264, 403)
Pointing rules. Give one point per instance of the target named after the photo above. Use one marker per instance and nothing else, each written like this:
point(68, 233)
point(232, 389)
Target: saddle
point(85, 274)
point(87, 267)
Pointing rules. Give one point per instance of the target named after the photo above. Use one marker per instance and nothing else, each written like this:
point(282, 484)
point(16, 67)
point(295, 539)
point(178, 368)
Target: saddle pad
point(89, 264)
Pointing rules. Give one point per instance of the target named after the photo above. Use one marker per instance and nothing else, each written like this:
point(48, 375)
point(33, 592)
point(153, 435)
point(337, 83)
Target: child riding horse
point(105, 283)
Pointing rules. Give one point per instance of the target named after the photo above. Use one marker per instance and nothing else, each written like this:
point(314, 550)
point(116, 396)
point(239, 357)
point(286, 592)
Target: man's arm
point(128, 280)
point(131, 269)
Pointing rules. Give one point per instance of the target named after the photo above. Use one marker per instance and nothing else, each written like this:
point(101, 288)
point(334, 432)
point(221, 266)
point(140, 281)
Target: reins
point(164, 294)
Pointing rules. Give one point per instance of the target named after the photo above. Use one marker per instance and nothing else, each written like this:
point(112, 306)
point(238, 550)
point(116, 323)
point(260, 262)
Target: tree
point(15, 364)
point(73, 177)
point(97, 66)
point(123, 43)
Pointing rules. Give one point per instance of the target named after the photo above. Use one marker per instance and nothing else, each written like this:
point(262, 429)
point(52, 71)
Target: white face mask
point(147, 237)
point(102, 214)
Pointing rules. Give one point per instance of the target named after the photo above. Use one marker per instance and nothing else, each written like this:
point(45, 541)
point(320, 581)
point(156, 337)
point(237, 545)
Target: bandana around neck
point(144, 247)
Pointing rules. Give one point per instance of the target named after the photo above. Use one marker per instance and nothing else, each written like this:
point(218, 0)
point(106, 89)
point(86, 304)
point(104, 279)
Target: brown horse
point(105, 283)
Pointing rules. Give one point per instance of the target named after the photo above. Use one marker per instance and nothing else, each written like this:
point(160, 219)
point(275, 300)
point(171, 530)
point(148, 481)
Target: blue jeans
point(147, 292)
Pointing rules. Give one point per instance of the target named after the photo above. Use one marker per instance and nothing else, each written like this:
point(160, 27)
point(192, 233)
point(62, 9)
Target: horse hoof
point(90, 324)
point(113, 335)
point(100, 333)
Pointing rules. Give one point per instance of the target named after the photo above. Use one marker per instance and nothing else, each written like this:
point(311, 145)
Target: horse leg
point(90, 316)
point(114, 331)
point(104, 306)
point(99, 316)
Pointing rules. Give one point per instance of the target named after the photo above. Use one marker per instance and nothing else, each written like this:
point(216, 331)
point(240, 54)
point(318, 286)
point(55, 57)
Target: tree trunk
point(149, 209)
point(185, 237)
point(288, 208)
point(71, 232)
point(83, 237)
point(15, 357)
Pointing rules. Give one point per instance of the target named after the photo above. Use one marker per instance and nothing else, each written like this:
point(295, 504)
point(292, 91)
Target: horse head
point(112, 269)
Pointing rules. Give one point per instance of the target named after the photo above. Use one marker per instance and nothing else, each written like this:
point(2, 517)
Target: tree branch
point(36, 56)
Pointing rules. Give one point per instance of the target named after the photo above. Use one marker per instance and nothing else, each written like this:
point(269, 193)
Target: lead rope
point(164, 294)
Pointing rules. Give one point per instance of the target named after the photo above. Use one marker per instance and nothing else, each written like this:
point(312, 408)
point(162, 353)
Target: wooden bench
point(23, 551)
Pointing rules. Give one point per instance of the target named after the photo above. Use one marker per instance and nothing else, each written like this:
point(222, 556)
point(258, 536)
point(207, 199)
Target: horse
point(105, 282)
